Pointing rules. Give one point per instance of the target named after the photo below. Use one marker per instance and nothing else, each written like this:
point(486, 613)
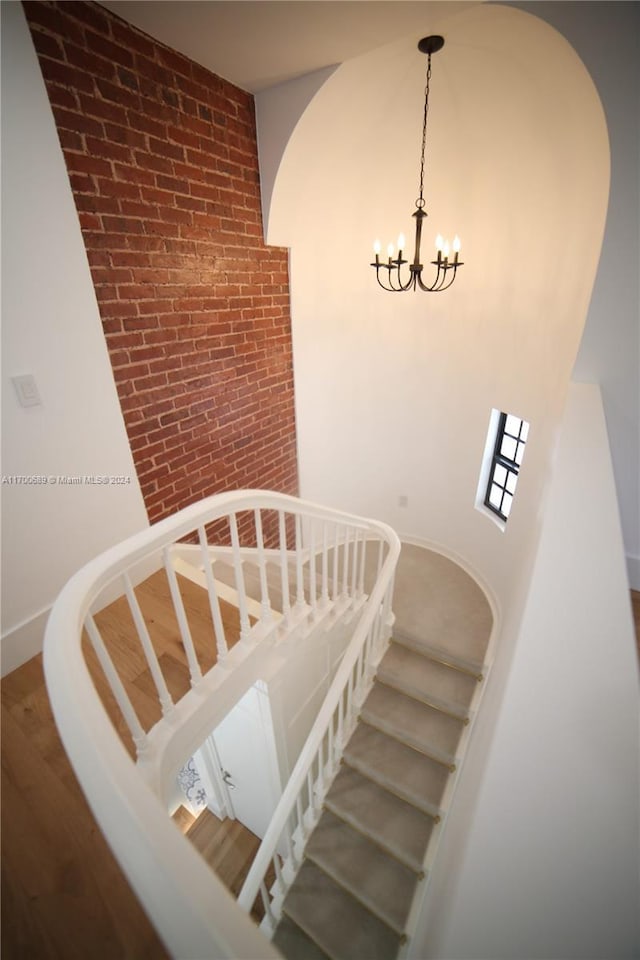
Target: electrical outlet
point(403, 500)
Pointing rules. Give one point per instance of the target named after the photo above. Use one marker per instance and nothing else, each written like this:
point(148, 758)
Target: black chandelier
point(447, 261)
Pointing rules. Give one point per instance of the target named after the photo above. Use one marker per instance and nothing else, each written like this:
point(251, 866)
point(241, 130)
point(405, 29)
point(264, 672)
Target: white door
point(246, 749)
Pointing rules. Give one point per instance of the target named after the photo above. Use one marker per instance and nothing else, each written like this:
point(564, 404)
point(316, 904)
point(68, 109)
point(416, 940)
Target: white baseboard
point(633, 571)
point(23, 642)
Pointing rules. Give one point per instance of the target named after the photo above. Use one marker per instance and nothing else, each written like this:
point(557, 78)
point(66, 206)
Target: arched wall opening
point(394, 391)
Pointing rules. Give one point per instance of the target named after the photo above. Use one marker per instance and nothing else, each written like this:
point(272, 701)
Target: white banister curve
point(321, 556)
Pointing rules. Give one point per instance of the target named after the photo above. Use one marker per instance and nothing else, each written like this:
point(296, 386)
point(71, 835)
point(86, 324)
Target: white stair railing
point(230, 543)
point(301, 803)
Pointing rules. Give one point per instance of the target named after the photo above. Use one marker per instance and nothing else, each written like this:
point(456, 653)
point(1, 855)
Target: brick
point(118, 94)
point(48, 46)
point(69, 140)
point(77, 122)
point(132, 174)
point(164, 148)
point(111, 151)
point(61, 97)
point(144, 123)
point(103, 109)
point(115, 52)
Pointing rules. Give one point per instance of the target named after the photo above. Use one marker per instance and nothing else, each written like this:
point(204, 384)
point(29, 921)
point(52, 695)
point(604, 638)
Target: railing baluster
point(312, 566)
point(264, 587)
point(300, 599)
point(350, 710)
point(214, 604)
point(166, 703)
point(325, 561)
point(245, 625)
point(341, 708)
point(354, 565)
point(284, 564)
point(360, 673)
point(299, 811)
point(310, 790)
point(138, 735)
point(345, 563)
point(320, 780)
point(331, 758)
point(380, 558)
point(336, 557)
point(267, 904)
point(187, 641)
point(363, 563)
point(288, 842)
point(282, 887)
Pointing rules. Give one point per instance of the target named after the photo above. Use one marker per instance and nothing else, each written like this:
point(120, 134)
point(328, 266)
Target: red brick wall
point(163, 164)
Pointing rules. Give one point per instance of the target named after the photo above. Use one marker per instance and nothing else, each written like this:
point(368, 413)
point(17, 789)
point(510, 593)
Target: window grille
point(508, 452)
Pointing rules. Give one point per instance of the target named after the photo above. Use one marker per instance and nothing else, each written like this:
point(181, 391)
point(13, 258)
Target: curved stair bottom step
point(335, 921)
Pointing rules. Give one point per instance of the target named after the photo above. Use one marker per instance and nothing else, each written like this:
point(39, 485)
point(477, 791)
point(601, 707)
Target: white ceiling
point(256, 44)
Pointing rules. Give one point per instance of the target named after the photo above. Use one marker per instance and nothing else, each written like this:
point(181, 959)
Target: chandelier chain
point(420, 200)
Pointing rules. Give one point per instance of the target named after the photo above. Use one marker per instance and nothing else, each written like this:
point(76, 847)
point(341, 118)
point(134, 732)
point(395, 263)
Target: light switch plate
point(27, 390)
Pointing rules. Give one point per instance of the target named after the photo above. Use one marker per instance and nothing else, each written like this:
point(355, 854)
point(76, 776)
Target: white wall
point(394, 392)
point(606, 35)
point(551, 866)
point(50, 329)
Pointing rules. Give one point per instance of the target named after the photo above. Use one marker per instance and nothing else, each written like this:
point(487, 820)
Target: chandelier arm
point(389, 289)
point(445, 286)
point(408, 283)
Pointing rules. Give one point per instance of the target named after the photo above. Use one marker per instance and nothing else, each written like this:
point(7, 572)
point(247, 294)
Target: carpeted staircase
point(364, 861)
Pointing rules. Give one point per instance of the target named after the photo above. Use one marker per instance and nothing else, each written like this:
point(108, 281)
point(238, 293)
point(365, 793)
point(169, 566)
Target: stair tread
point(395, 824)
point(413, 671)
point(341, 926)
point(432, 651)
point(294, 944)
point(413, 721)
point(405, 771)
point(376, 879)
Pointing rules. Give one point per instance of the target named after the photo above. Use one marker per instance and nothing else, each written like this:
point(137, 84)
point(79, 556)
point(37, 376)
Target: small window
point(511, 437)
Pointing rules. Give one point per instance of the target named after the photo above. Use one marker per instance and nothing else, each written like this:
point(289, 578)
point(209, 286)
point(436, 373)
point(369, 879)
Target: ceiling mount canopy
point(447, 256)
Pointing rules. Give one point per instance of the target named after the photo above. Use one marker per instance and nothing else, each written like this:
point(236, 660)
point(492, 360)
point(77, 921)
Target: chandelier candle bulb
point(394, 280)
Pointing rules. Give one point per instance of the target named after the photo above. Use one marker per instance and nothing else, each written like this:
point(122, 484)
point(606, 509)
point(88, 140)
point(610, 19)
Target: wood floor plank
point(56, 858)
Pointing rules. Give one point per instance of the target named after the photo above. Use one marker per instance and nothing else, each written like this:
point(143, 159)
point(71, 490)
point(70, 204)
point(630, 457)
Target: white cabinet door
point(246, 748)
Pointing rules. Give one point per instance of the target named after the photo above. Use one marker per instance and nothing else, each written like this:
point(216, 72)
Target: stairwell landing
point(370, 853)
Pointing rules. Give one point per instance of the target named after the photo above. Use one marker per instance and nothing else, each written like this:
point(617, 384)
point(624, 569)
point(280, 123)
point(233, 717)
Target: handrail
point(192, 911)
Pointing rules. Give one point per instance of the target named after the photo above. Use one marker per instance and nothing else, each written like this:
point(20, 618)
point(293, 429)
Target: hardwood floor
point(63, 894)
